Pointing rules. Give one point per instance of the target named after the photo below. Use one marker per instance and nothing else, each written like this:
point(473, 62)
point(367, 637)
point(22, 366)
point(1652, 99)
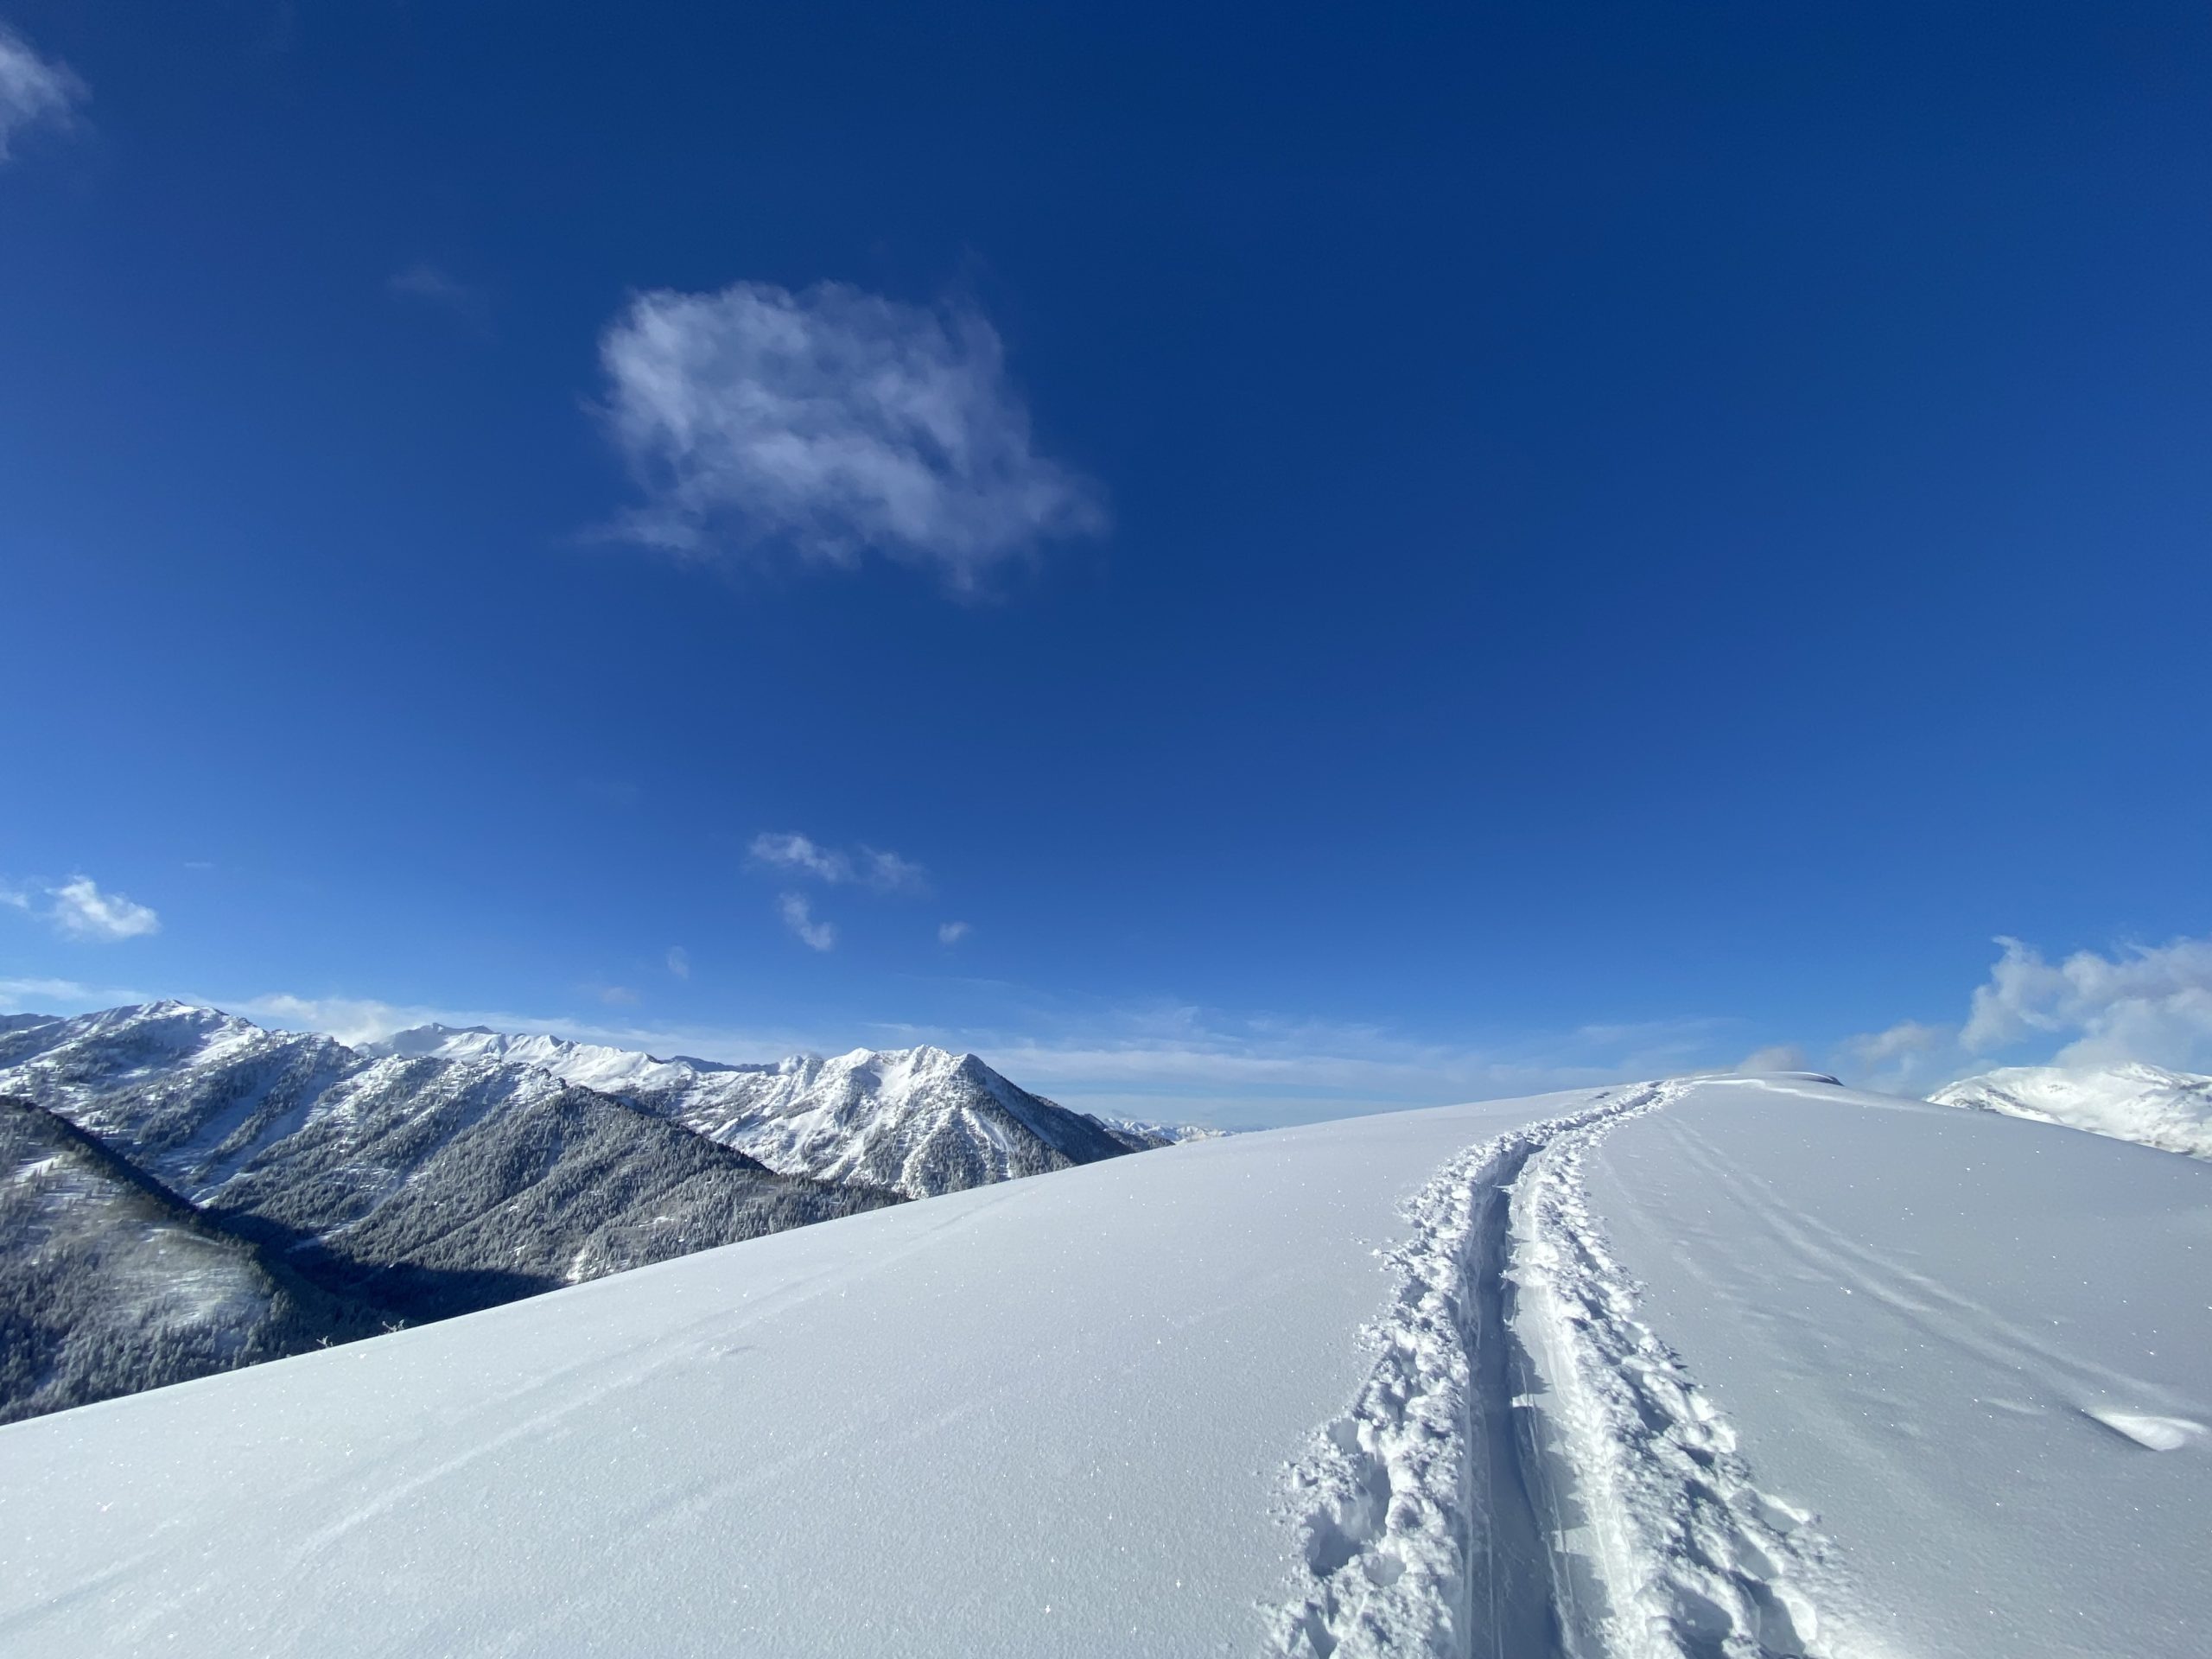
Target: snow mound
point(2147, 1104)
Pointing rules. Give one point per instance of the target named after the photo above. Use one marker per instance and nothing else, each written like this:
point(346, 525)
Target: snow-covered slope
point(1722, 1368)
point(915, 1120)
point(2170, 1110)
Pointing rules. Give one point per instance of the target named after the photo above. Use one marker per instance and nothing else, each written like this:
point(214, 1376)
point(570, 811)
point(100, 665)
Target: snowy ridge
point(2147, 1104)
point(918, 1122)
point(1529, 1469)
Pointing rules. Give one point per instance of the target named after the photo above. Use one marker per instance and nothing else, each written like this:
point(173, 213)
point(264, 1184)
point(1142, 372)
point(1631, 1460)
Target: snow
point(1978, 1352)
point(2147, 1104)
point(1722, 1367)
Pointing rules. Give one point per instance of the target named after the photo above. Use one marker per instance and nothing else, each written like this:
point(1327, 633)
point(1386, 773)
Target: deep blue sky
point(1623, 535)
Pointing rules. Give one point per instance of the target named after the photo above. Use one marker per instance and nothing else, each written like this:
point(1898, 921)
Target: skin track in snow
point(1662, 1545)
point(1528, 1470)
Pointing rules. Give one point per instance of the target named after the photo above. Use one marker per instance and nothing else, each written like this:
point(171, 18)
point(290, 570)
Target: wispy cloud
point(952, 932)
point(428, 284)
point(797, 855)
point(799, 916)
point(34, 91)
point(36, 995)
point(679, 962)
point(827, 424)
point(1780, 1057)
point(78, 909)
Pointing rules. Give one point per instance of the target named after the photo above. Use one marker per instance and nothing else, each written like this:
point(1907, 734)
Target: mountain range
point(187, 1191)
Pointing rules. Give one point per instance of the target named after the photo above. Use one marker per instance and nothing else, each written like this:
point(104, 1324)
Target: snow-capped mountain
point(1142, 1134)
point(444, 1171)
point(917, 1121)
point(424, 1186)
point(2147, 1104)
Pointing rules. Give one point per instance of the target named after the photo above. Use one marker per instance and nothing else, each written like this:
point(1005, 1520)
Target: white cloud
point(32, 89)
point(952, 932)
point(888, 873)
point(801, 856)
point(15, 898)
point(826, 423)
point(81, 911)
point(2141, 1002)
point(679, 962)
point(349, 1018)
point(799, 916)
point(1781, 1056)
point(618, 997)
point(800, 853)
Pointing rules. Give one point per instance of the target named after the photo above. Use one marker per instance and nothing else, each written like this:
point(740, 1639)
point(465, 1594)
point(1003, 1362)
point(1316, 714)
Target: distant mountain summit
point(2147, 1104)
point(918, 1122)
point(334, 1190)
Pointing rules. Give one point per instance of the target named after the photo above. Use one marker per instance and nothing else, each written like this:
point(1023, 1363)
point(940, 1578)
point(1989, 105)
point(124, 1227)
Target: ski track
point(1529, 1469)
point(1942, 1315)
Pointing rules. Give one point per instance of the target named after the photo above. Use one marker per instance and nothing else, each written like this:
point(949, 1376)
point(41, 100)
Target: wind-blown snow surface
point(2147, 1104)
point(1981, 1352)
point(1235, 1395)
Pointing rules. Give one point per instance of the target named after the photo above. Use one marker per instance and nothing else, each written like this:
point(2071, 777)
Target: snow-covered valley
point(1721, 1367)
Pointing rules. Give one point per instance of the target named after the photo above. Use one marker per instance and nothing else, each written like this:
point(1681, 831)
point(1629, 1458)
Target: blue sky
point(1247, 571)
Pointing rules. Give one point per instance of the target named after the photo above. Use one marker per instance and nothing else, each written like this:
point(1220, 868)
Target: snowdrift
point(1724, 1367)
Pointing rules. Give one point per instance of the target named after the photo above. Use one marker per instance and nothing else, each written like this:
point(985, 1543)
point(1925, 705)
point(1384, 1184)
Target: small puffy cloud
point(2152, 1003)
point(799, 916)
point(15, 898)
point(829, 422)
point(81, 911)
point(679, 962)
point(33, 90)
point(796, 855)
point(952, 932)
point(2140, 1003)
point(1782, 1057)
